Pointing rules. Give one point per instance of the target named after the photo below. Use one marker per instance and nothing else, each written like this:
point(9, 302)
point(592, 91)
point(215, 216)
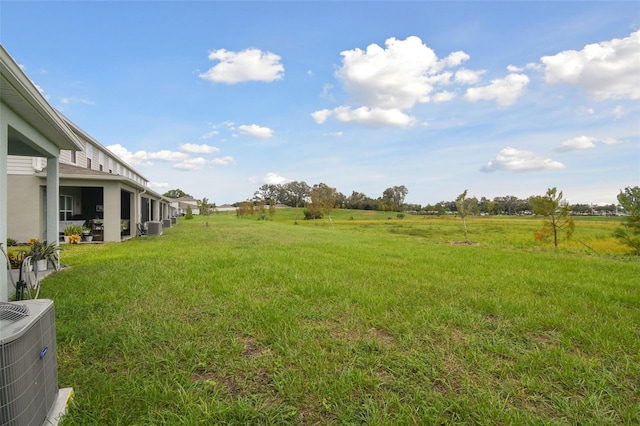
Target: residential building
point(29, 127)
point(96, 189)
point(181, 204)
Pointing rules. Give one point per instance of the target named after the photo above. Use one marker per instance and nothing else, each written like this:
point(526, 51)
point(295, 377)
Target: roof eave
point(31, 100)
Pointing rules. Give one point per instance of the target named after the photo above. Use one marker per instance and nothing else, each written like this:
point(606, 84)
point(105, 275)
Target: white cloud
point(505, 91)
point(198, 149)
point(137, 159)
point(586, 111)
point(456, 58)
point(274, 179)
point(247, 65)
point(191, 164)
point(76, 100)
point(223, 161)
point(166, 155)
point(365, 115)
point(321, 115)
point(210, 134)
point(605, 70)
point(577, 144)
point(465, 76)
point(159, 184)
point(618, 112)
point(395, 77)
point(143, 157)
point(443, 96)
point(256, 131)
point(515, 160)
point(610, 141)
point(326, 92)
point(580, 143)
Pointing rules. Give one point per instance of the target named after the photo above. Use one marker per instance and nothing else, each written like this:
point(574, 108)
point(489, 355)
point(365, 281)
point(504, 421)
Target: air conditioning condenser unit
point(154, 228)
point(28, 362)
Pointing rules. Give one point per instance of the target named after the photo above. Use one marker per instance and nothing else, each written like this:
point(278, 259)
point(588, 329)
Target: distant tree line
point(297, 194)
point(512, 206)
point(320, 199)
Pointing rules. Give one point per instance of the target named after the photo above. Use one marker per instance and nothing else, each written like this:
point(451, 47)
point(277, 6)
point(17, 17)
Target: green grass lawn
point(371, 320)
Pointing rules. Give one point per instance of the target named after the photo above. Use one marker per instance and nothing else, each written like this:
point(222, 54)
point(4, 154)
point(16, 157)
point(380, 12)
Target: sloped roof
point(19, 93)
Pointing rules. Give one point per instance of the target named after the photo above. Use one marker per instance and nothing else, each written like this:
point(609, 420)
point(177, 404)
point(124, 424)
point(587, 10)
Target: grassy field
point(371, 320)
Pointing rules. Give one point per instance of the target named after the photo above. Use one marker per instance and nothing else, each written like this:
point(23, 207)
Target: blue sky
point(218, 98)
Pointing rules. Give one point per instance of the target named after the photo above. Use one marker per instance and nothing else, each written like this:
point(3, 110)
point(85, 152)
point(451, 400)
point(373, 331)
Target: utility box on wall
point(28, 362)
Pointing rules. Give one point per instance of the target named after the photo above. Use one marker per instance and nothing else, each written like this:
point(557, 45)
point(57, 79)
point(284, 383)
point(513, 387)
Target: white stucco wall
point(25, 208)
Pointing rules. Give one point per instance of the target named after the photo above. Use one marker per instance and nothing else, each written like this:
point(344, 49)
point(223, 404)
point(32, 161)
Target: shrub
point(312, 214)
point(15, 257)
point(189, 214)
point(72, 230)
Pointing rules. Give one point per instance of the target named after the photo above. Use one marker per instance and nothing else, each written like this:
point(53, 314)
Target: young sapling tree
point(465, 206)
point(556, 213)
point(629, 233)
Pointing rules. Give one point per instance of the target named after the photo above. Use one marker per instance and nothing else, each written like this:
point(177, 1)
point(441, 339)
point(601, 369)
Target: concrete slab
point(59, 407)
point(13, 276)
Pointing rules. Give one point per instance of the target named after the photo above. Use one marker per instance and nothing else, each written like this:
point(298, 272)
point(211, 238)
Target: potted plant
point(70, 230)
point(86, 234)
point(74, 239)
point(41, 253)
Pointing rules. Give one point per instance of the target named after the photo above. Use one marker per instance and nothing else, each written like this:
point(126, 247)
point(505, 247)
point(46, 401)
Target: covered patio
point(29, 127)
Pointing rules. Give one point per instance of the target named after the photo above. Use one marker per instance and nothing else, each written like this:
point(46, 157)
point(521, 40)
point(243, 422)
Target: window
point(100, 161)
point(66, 207)
point(110, 165)
point(89, 149)
point(73, 157)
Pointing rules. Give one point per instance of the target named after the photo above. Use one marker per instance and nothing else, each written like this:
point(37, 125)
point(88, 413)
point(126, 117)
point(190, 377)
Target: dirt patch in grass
point(463, 243)
point(382, 336)
point(235, 384)
point(252, 349)
point(543, 339)
point(228, 383)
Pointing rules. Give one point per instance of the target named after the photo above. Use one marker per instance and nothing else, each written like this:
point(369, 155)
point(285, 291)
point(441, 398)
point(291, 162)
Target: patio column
point(4, 150)
point(156, 210)
point(53, 201)
point(111, 200)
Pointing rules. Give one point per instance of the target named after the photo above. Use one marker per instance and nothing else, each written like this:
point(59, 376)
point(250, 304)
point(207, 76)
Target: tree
point(360, 201)
point(175, 193)
point(556, 211)
point(189, 214)
point(465, 206)
point(205, 207)
point(629, 233)
point(245, 208)
point(272, 208)
point(268, 192)
point(294, 194)
point(393, 197)
point(323, 199)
